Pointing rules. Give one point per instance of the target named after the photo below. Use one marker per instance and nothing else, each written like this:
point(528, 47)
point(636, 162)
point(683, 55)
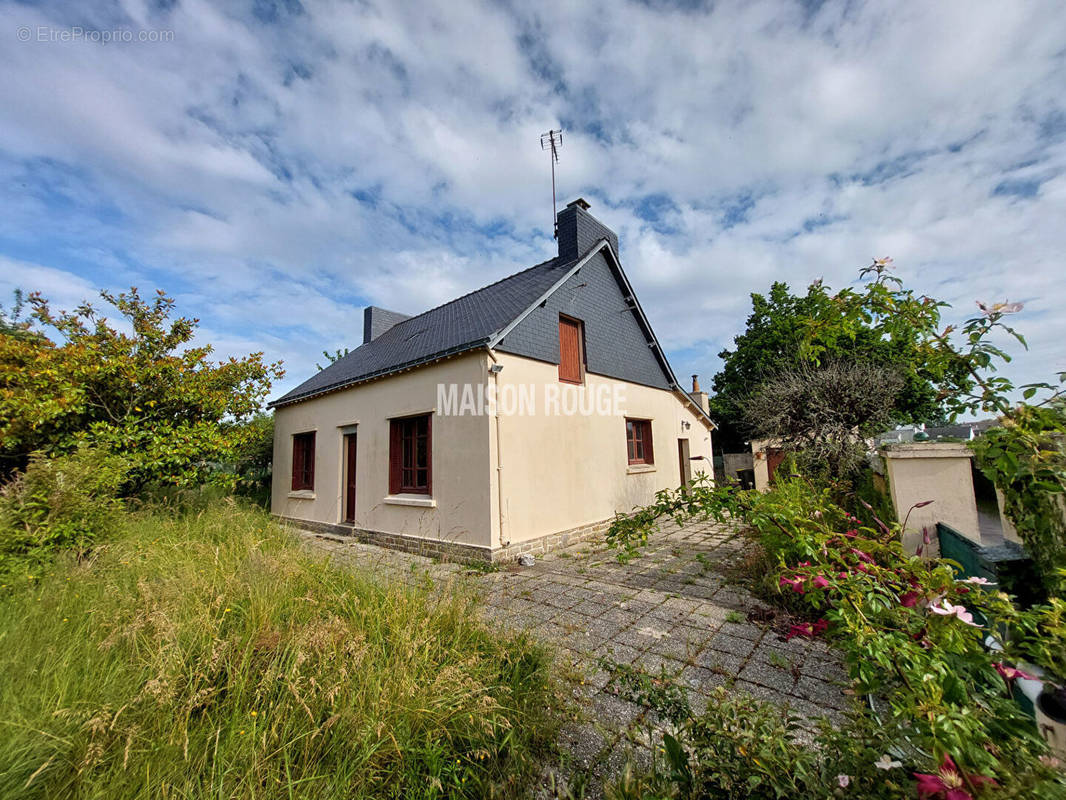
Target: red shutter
point(395, 455)
point(570, 350)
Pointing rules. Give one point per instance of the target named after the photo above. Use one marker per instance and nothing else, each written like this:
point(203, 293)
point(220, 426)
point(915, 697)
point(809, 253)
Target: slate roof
point(463, 324)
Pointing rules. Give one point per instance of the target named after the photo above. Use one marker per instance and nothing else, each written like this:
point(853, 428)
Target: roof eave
point(654, 341)
point(378, 374)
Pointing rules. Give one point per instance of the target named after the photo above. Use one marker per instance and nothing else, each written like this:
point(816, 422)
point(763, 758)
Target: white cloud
point(277, 174)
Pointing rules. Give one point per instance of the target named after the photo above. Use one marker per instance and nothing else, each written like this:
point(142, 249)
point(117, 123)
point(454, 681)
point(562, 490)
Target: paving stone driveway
point(672, 609)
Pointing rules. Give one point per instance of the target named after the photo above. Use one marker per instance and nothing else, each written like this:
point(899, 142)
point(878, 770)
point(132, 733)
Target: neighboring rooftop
point(965, 431)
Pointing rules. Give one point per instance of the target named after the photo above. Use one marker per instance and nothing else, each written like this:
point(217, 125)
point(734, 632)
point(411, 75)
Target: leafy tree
point(139, 389)
point(332, 358)
point(823, 414)
point(871, 326)
point(254, 458)
point(11, 322)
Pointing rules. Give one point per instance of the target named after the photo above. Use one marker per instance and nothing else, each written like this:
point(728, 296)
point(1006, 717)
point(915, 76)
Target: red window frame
point(411, 455)
point(571, 356)
point(303, 461)
point(639, 447)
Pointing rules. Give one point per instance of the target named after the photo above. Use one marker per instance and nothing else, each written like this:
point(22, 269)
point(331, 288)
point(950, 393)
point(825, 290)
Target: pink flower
point(820, 582)
point(796, 583)
point(925, 535)
point(991, 309)
point(843, 781)
point(909, 599)
point(1010, 673)
point(804, 564)
point(805, 629)
point(946, 609)
point(862, 556)
point(851, 534)
point(948, 783)
point(977, 581)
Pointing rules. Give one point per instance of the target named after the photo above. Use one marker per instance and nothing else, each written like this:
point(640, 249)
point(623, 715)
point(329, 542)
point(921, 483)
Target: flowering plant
point(913, 637)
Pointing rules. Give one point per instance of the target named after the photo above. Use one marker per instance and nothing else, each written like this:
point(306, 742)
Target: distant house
point(964, 431)
point(398, 442)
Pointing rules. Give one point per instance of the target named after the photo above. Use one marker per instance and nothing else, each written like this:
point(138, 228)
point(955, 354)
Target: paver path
point(672, 609)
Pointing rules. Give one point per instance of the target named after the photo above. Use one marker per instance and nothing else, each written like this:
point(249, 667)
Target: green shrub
point(62, 503)
point(1026, 459)
point(208, 655)
point(912, 636)
point(743, 748)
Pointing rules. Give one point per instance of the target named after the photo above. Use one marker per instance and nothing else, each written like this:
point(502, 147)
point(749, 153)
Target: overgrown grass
point(208, 656)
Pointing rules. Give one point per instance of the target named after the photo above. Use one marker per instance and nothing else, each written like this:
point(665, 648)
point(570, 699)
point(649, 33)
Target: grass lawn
point(207, 656)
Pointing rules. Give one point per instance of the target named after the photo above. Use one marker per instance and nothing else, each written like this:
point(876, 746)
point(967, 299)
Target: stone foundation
point(457, 551)
point(553, 541)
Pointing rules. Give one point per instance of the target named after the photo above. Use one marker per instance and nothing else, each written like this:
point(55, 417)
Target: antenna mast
point(552, 141)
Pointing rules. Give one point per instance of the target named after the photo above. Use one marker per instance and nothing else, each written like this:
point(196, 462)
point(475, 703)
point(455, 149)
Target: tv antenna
point(552, 141)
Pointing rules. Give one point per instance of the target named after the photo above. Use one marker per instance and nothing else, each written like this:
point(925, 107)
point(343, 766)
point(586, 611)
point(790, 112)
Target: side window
point(410, 455)
point(303, 461)
point(571, 350)
point(638, 441)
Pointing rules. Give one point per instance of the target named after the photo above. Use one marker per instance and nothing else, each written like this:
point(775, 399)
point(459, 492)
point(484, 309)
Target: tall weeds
point(208, 656)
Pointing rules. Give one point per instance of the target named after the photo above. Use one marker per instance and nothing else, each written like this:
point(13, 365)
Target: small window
point(410, 467)
point(638, 441)
point(303, 461)
point(571, 351)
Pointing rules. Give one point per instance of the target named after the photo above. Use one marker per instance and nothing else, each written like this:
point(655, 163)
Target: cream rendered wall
point(937, 472)
point(561, 472)
point(760, 466)
point(460, 456)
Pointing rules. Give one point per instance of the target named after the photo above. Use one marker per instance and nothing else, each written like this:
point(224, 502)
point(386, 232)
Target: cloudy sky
point(278, 165)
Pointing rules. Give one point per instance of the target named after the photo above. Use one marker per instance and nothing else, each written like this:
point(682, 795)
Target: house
point(963, 431)
point(519, 417)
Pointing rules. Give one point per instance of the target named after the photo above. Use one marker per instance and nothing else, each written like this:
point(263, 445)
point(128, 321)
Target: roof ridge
point(459, 329)
point(474, 291)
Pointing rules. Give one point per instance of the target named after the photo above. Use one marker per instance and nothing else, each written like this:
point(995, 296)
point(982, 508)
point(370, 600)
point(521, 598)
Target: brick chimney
point(577, 231)
point(699, 396)
point(378, 320)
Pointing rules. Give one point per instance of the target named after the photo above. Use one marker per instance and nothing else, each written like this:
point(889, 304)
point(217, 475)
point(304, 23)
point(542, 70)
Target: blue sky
point(276, 166)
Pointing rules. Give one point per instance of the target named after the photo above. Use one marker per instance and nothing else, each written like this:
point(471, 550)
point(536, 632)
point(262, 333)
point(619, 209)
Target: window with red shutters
point(638, 441)
point(303, 461)
point(410, 455)
point(571, 350)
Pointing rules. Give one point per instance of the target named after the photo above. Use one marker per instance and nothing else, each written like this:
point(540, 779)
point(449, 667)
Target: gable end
point(616, 342)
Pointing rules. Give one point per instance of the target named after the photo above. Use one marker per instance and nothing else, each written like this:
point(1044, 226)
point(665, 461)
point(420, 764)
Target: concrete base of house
point(456, 551)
